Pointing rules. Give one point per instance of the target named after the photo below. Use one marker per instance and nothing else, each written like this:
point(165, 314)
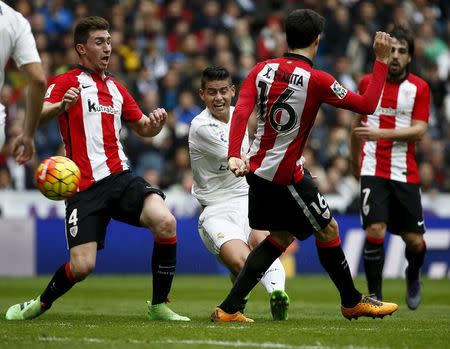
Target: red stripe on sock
point(69, 273)
point(276, 243)
point(375, 241)
point(165, 241)
point(327, 244)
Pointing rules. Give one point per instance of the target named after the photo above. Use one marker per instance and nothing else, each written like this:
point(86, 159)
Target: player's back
point(287, 107)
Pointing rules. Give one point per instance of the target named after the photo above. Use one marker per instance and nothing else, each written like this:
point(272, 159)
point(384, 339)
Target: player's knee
point(414, 242)
point(330, 232)
point(82, 268)
point(377, 230)
point(166, 226)
point(237, 265)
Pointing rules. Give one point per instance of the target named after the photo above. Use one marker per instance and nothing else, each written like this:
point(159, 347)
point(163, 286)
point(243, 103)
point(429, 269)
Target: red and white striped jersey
point(90, 129)
point(287, 93)
point(400, 104)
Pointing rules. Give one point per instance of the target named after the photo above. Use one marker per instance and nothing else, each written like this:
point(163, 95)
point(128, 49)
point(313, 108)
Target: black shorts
point(395, 203)
point(298, 208)
point(119, 196)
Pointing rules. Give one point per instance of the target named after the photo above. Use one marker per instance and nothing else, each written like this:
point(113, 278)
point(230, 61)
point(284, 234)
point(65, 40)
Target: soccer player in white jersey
point(91, 106)
point(223, 224)
point(17, 42)
point(385, 160)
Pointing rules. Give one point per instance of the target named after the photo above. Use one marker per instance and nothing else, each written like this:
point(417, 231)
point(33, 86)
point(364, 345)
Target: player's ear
point(233, 90)
point(201, 93)
point(81, 50)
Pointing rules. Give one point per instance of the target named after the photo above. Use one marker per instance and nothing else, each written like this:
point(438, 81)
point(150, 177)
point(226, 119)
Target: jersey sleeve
point(242, 111)
point(332, 92)
point(58, 87)
point(211, 140)
point(130, 110)
point(362, 87)
point(421, 110)
point(24, 51)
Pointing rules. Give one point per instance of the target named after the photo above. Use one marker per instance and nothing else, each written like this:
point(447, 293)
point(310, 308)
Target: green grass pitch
point(109, 312)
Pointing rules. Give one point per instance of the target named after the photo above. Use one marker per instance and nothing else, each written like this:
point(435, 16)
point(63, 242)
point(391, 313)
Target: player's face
point(217, 96)
point(399, 59)
point(96, 52)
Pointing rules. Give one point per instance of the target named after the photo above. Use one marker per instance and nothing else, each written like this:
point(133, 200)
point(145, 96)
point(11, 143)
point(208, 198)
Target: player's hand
point(156, 119)
point(237, 166)
point(23, 148)
point(70, 98)
point(367, 132)
point(382, 46)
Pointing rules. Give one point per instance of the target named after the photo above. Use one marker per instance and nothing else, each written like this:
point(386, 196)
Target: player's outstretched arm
point(339, 96)
point(408, 134)
point(151, 125)
point(23, 144)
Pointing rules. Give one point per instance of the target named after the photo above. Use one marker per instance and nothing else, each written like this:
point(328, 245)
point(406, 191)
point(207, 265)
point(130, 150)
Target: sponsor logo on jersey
point(339, 90)
point(107, 109)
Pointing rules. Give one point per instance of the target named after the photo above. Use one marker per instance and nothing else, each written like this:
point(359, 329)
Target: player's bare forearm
point(49, 111)
point(37, 84)
point(151, 125)
point(408, 134)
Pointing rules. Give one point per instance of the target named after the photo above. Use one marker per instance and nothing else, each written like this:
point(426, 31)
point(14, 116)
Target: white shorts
point(223, 222)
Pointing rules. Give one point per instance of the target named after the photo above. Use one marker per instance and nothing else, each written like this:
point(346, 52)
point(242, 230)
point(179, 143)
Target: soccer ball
point(58, 178)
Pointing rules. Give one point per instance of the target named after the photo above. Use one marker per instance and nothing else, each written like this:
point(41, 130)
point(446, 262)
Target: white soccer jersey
point(208, 148)
point(16, 41)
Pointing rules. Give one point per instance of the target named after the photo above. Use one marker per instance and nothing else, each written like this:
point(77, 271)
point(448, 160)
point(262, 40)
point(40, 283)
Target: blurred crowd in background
point(161, 47)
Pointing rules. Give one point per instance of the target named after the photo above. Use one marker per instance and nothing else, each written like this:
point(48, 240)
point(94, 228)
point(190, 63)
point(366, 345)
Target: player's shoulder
point(67, 77)
point(201, 119)
point(13, 17)
point(418, 81)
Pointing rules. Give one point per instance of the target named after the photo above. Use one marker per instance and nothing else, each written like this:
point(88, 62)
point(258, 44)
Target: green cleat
point(279, 305)
point(25, 311)
point(163, 312)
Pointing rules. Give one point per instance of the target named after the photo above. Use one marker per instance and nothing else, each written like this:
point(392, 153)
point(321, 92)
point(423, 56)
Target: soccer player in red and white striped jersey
point(91, 106)
point(287, 93)
point(383, 154)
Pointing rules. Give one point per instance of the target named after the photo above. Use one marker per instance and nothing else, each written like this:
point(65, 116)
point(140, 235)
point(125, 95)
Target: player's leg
point(257, 263)
point(275, 277)
point(85, 231)
point(273, 280)
point(374, 258)
point(410, 223)
point(415, 254)
point(156, 216)
point(375, 204)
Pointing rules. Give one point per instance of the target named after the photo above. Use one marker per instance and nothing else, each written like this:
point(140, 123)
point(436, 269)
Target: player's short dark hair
point(214, 73)
point(402, 34)
point(86, 25)
point(302, 28)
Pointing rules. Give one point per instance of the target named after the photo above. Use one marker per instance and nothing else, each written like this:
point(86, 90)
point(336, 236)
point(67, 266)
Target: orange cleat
point(219, 315)
point(369, 307)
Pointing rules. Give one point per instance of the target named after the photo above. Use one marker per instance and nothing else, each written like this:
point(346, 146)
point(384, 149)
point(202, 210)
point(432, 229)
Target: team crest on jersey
point(339, 90)
point(366, 209)
point(73, 231)
point(49, 91)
